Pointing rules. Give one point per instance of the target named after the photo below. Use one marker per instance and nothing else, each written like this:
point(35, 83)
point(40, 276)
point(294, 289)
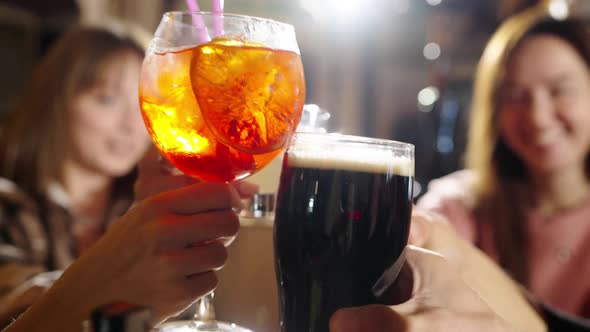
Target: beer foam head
point(358, 159)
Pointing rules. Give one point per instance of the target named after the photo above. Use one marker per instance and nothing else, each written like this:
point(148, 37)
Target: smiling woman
point(525, 200)
point(543, 114)
point(106, 124)
point(67, 159)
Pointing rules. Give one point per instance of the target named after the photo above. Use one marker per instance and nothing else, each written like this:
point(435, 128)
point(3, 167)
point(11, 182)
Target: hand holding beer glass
point(342, 222)
point(221, 94)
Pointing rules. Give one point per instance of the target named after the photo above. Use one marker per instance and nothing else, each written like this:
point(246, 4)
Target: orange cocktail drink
point(222, 109)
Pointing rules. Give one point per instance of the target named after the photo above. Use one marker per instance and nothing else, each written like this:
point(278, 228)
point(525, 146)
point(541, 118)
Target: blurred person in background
point(525, 197)
point(67, 158)
point(148, 256)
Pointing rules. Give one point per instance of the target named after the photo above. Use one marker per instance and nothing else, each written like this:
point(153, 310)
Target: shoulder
point(453, 197)
point(19, 211)
point(22, 236)
point(457, 188)
point(12, 195)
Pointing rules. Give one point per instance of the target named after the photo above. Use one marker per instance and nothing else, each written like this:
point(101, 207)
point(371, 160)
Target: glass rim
point(371, 141)
point(176, 13)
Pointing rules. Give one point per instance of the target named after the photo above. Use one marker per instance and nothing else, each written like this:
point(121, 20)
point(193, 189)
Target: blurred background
point(397, 69)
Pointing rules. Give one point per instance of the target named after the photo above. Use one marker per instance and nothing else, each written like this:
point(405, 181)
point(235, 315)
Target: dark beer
point(340, 224)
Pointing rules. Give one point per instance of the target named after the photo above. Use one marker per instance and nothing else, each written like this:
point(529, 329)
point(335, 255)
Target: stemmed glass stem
point(205, 312)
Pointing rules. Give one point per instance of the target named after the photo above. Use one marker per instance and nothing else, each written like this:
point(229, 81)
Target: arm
point(19, 289)
point(440, 302)
point(456, 288)
point(479, 272)
point(452, 197)
point(147, 257)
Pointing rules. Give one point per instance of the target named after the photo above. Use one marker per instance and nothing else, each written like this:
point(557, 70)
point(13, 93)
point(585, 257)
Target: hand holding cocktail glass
point(221, 94)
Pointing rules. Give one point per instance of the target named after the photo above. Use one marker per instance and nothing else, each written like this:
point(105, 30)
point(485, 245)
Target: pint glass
point(342, 222)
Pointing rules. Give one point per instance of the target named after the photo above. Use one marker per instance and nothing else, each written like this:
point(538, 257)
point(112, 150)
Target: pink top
point(559, 246)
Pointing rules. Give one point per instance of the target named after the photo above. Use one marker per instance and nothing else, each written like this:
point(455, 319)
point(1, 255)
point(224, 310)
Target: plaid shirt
point(36, 235)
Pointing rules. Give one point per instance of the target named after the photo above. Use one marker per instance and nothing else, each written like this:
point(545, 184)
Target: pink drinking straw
point(217, 19)
point(193, 6)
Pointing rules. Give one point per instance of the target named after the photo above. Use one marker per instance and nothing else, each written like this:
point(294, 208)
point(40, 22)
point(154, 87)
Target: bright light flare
point(559, 9)
point(346, 8)
point(339, 8)
point(401, 6)
point(428, 96)
point(431, 51)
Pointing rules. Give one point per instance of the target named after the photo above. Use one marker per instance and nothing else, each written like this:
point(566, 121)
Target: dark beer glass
point(342, 222)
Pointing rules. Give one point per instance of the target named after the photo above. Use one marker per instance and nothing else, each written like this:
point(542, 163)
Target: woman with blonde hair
point(525, 196)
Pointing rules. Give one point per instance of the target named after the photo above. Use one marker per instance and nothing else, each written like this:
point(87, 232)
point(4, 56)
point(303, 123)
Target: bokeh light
point(432, 51)
point(559, 9)
point(427, 97)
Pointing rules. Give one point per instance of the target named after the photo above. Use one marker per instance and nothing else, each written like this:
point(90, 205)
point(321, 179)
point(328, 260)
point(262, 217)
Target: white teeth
point(547, 137)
